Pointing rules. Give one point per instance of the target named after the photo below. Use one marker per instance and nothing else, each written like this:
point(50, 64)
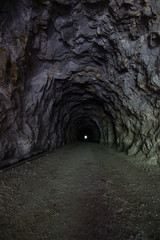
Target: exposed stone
point(67, 65)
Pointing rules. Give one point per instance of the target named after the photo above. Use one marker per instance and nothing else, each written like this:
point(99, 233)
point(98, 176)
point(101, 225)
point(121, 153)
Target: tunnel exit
point(88, 134)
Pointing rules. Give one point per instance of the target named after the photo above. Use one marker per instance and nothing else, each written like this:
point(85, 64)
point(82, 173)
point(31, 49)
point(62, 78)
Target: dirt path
point(80, 192)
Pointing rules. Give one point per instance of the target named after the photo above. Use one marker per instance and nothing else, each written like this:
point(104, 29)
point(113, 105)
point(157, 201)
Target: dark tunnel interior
point(76, 68)
point(88, 132)
point(80, 95)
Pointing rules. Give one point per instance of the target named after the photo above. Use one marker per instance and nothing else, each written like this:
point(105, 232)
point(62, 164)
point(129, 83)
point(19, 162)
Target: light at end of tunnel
point(85, 137)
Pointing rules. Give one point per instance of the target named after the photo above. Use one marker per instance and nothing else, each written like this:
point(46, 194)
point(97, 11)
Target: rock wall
point(66, 63)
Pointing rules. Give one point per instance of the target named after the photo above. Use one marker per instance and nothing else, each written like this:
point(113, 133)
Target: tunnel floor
point(81, 191)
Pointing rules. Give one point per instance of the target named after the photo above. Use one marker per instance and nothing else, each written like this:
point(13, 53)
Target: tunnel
point(79, 119)
point(86, 133)
point(70, 69)
point(87, 130)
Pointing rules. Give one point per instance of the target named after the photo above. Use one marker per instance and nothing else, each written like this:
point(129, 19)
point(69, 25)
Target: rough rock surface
point(69, 64)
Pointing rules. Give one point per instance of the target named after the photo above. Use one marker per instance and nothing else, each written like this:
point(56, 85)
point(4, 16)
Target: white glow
point(85, 137)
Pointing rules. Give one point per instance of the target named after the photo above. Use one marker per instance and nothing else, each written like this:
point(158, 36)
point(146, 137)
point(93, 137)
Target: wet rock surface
point(66, 65)
point(81, 191)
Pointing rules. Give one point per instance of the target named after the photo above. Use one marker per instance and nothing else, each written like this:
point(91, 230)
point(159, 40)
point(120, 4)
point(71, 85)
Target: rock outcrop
point(69, 64)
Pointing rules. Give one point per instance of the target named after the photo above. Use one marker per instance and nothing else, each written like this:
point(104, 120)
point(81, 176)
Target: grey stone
point(155, 81)
point(68, 62)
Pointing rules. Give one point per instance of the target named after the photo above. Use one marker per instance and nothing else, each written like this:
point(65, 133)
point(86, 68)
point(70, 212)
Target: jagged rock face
point(67, 66)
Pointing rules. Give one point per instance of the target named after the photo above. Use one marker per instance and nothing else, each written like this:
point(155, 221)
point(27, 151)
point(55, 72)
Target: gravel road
point(82, 191)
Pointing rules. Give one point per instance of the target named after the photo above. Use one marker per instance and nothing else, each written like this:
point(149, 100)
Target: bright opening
point(85, 137)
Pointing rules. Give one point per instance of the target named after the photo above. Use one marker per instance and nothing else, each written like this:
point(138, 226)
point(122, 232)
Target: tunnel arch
point(82, 114)
point(59, 67)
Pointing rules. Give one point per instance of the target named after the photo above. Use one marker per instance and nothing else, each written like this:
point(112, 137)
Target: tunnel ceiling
point(69, 64)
